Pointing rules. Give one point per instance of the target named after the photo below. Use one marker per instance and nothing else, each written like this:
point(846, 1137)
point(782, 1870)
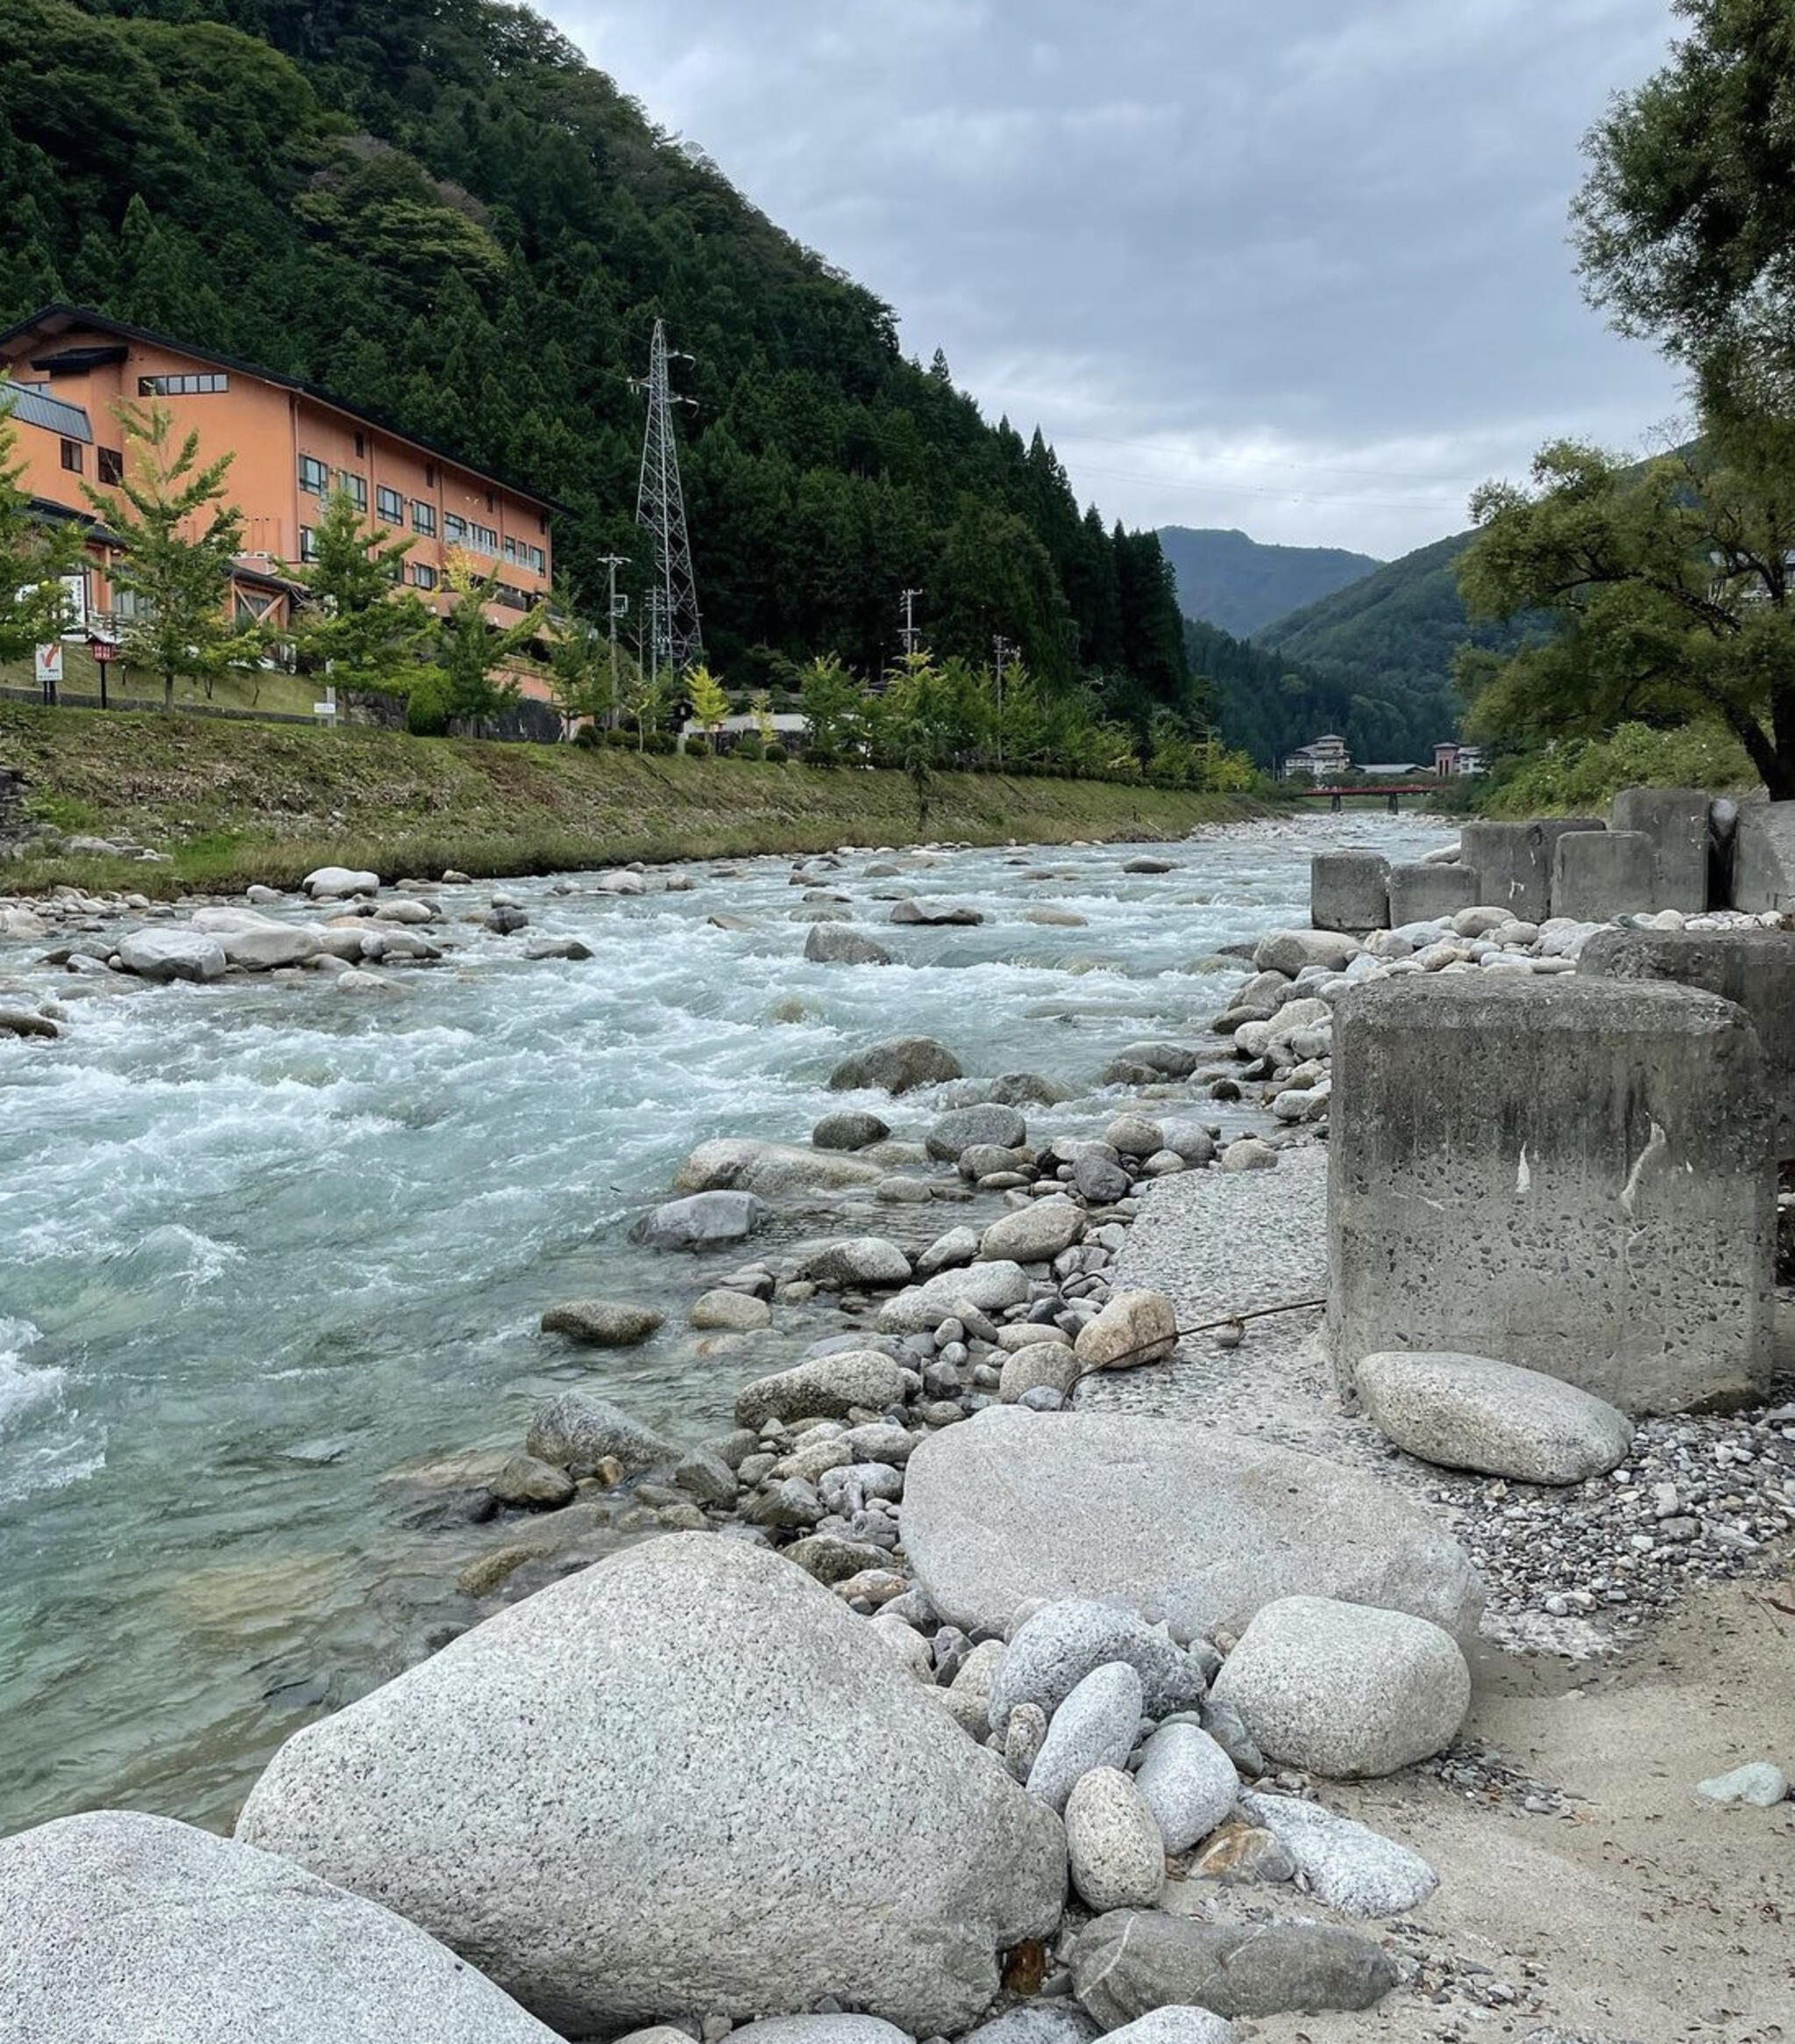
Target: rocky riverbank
point(1104, 1638)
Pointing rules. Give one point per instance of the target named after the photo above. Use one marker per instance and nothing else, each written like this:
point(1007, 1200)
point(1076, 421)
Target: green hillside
point(438, 210)
point(1226, 578)
point(1380, 653)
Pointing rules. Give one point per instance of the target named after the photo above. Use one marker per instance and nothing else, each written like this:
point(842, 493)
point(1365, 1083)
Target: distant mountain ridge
point(1226, 578)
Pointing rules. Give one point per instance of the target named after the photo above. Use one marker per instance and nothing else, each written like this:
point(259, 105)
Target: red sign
point(102, 649)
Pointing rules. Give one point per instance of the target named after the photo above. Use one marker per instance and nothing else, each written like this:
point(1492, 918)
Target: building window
point(482, 539)
point(429, 475)
point(536, 558)
point(423, 516)
point(354, 487)
point(308, 544)
point(71, 456)
point(424, 578)
point(203, 385)
point(510, 548)
point(360, 447)
point(454, 528)
point(390, 505)
point(314, 476)
point(110, 461)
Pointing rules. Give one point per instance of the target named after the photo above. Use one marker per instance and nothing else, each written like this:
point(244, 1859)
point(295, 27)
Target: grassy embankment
point(239, 802)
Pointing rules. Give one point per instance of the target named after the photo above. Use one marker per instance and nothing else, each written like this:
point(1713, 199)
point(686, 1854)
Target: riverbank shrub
point(1580, 777)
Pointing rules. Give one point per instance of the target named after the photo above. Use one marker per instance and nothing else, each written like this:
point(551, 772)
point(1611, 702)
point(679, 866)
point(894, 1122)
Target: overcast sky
point(1299, 268)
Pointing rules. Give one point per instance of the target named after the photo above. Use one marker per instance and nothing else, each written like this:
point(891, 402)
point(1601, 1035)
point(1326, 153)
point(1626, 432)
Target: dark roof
point(32, 403)
point(51, 320)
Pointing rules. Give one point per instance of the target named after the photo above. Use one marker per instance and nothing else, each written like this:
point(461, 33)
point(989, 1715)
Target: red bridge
point(1390, 790)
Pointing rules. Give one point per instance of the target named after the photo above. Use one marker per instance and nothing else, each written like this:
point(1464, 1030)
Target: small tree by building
point(179, 537)
point(460, 685)
point(356, 619)
point(35, 554)
point(579, 666)
point(709, 699)
point(643, 695)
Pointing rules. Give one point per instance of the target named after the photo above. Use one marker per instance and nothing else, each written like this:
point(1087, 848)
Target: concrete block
point(1764, 858)
point(1572, 1175)
point(1597, 874)
point(1754, 968)
point(1424, 893)
point(1675, 820)
point(1514, 861)
point(1350, 891)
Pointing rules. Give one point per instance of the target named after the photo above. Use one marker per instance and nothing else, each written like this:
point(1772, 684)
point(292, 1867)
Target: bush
point(821, 755)
point(1580, 775)
point(750, 747)
point(589, 736)
point(698, 748)
point(618, 740)
point(427, 706)
point(658, 741)
point(775, 754)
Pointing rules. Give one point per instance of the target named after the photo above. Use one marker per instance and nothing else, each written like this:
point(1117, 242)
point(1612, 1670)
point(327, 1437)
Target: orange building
point(292, 445)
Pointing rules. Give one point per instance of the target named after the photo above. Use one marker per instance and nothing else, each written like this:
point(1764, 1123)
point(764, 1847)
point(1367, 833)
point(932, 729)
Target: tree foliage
point(177, 537)
point(355, 615)
point(439, 209)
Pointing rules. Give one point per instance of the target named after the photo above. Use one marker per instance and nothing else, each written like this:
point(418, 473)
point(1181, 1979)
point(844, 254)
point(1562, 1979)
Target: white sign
point(327, 709)
point(75, 608)
point(49, 661)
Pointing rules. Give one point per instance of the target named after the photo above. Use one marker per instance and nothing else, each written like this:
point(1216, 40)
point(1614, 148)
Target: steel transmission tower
point(660, 505)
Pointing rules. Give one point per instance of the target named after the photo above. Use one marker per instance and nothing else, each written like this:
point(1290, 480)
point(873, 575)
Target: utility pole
point(660, 507)
point(1002, 646)
point(907, 598)
point(616, 606)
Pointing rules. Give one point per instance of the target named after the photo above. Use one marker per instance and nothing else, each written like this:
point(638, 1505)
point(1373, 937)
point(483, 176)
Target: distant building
point(293, 446)
point(1327, 757)
point(1386, 769)
point(1450, 758)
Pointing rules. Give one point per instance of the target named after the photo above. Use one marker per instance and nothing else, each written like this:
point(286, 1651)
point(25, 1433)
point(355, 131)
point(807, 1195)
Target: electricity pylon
point(660, 506)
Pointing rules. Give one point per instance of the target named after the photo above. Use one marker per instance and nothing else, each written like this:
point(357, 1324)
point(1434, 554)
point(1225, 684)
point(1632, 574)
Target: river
point(262, 1245)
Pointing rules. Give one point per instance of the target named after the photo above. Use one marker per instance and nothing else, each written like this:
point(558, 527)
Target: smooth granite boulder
point(965, 1128)
point(770, 1170)
point(1207, 1526)
point(1342, 1690)
point(1349, 1866)
point(900, 1065)
point(703, 1220)
point(1177, 2026)
point(121, 1928)
point(1094, 1727)
point(577, 1432)
point(1471, 1412)
point(1058, 1646)
point(1133, 1960)
point(1113, 1846)
point(688, 1778)
point(854, 1260)
point(166, 955)
point(987, 1286)
point(1189, 1783)
point(1035, 1233)
point(831, 1386)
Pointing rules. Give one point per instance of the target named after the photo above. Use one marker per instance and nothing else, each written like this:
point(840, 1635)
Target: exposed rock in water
point(602, 1323)
point(900, 1065)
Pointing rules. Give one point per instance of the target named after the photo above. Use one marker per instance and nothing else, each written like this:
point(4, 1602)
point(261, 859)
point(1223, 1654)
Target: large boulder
point(1132, 1961)
point(831, 1386)
point(602, 1323)
point(834, 944)
point(705, 1220)
point(936, 914)
point(899, 1065)
point(1035, 1233)
point(337, 882)
point(1471, 1412)
point(576, 1431)
point(849, 1129)
point(118, 1926)
point(988, 1288)
point(257, 943)
point(1342, 1690)
point(965, 1128)
point(1206, 1525)
point(855, 1259)
point(172, 954)
point(667, 1784)
point(1094, 1727)
point(1133, 1328)
point(1288, 951)
point(1189, 1783)
point(770, 1170)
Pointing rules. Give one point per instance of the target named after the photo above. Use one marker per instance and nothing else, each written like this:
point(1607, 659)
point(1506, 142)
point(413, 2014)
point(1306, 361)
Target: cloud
point(1301, 269)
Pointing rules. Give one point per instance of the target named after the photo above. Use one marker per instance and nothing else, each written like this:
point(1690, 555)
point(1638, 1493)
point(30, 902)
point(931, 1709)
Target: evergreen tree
point(462, 686)
point(356, 618)
point(179, 537)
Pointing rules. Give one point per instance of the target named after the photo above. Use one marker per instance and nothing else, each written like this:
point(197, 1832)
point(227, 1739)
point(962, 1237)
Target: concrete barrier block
point(1350, 891)
point(1754, 968)
point(1573, 1174)
point(1675, 820)
point(1597, 874)
point(1764, 858)
point(1514, 861)
point(1424, 893)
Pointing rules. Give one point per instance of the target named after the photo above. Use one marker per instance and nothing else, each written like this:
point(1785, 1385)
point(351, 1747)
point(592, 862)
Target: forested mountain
point(1382, 652)
point(1226, 578)
point(438, 210)
point(1267, 705)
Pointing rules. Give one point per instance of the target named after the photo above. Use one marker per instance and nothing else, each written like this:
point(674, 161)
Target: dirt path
point(1641, 1915)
